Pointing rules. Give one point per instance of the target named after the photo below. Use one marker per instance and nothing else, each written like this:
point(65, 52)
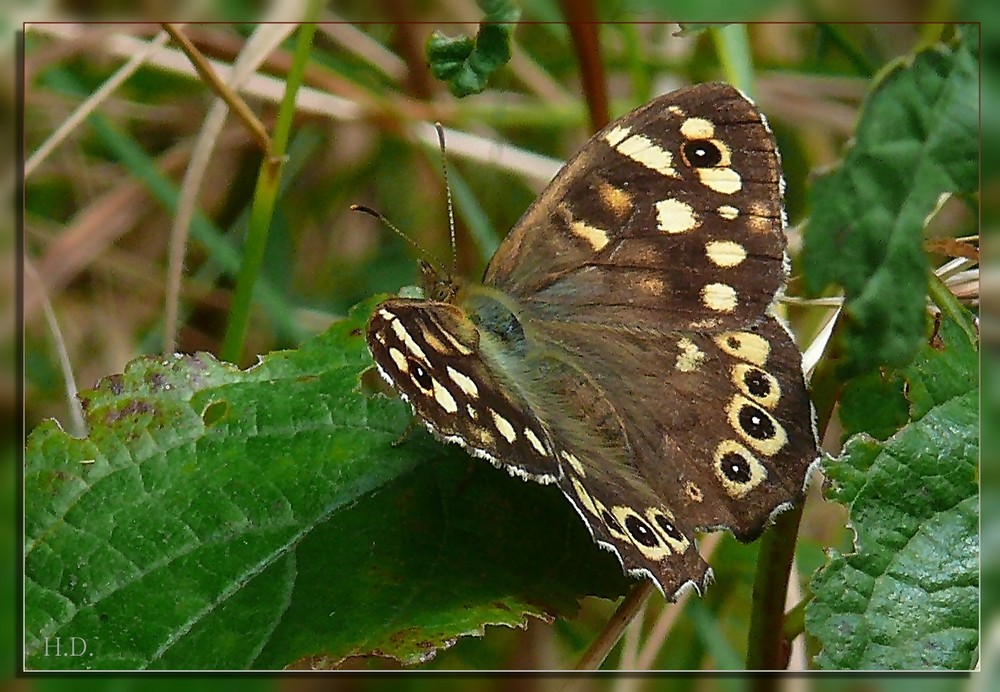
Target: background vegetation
point(102, 209)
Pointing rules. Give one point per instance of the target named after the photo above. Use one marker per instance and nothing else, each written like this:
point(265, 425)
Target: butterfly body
point(623, 345)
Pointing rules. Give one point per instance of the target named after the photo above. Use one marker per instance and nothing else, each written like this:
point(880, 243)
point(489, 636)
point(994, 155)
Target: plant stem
point(630, 606)
point(767, 648)
point(205, 71)
point(949, 305)
point(733, 47)
point(265, 194)
point(795, 619)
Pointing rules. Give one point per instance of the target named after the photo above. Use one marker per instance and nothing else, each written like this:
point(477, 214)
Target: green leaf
point(467, 64)
point(908, 597)
point(880, 403)
point(226, 519)
point(916, 140)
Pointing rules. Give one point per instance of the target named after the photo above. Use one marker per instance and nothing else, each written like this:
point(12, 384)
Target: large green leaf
point(218, 518)
point(881, 402)
point(908, 596)
point(916, 140)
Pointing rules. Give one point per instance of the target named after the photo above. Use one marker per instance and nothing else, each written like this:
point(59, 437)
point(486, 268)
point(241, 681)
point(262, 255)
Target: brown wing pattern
point(431, 353)
point(623, 344)
point(639, 231)
point(649, 268)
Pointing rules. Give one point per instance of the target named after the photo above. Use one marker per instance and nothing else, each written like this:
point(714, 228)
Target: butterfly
point(623, 343)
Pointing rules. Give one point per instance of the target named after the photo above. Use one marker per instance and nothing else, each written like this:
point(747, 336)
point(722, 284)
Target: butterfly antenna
point(389, 224)
point(447, 190)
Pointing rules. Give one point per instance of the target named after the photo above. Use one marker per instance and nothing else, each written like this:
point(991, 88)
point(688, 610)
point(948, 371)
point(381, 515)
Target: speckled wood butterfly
point(623, 343)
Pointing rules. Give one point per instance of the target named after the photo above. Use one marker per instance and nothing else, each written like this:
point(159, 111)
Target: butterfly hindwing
point(719, 426)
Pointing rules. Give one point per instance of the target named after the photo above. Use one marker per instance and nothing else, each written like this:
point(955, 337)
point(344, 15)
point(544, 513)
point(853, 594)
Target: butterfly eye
point(701, 153)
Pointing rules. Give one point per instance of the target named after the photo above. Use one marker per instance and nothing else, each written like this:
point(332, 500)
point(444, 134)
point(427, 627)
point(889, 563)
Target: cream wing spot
point(473, 413)
point(719, 297)
point(484, 436)
point(434, 342)
point(675, 216)
point(723, 180)
point(411, 345)
point(399, 359)
point(596, 237)
point(455, 343)
point(747, 346)
point(706, 323)
point(697, 128)
point(642, 150)
point(464, 382)
point(689, 357)
point(725, 253)
point(585, 498)
point(503, 426)
point(615, 136)
point(444, 398)
point(574, 463)
point(728, 212)
point(615, 198)
point(535, 442)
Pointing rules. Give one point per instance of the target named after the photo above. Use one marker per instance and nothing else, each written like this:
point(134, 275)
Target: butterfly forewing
point(623, 343)
point(670, 217)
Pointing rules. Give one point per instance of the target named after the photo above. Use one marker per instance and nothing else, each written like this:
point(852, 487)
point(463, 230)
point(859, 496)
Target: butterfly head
point(436, 284)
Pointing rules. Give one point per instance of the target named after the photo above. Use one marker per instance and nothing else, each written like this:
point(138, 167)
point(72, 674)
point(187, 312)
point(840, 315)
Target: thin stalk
point(767, 648)
point(795, 619)
point(265, 194)
point(949, 305)
point(733, 47)
point(630, 606)
point(232, 99)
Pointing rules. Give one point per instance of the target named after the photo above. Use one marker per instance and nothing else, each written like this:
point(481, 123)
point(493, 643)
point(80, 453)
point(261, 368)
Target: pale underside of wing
point(430, 352)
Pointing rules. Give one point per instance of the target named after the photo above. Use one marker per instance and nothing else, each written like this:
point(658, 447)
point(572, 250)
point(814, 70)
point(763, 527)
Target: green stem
point(795, 619)
point(265, 194)
point(949, 305)
point(733, 46)
point(767, 648)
